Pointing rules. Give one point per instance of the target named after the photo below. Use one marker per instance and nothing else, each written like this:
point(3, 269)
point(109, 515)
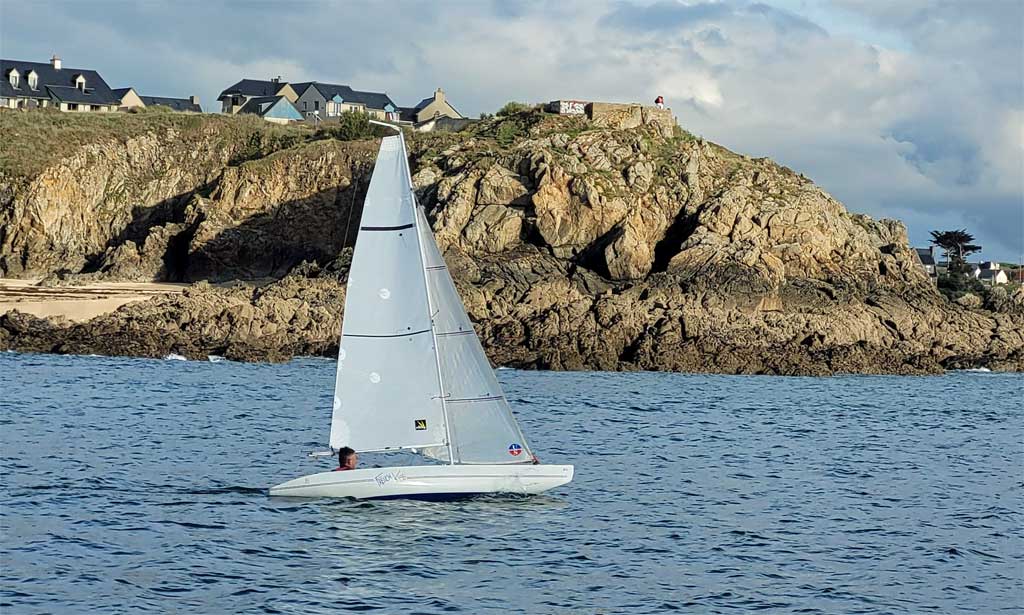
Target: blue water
point(135, 485)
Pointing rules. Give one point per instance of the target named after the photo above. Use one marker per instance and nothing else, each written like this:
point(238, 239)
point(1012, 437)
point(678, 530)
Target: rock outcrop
point(574, 246)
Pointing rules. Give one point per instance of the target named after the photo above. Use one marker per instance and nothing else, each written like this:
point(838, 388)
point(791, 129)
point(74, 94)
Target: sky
point(911, 109)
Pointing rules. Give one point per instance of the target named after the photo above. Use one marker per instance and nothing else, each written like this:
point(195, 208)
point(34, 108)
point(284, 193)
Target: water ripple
point(141, 485)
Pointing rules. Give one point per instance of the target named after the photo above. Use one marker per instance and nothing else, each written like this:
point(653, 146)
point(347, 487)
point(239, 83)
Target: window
point(316, 105)
point(80, 82)
point(305, 105)
point(72, 106)
point(33, 80)
point(14, 78)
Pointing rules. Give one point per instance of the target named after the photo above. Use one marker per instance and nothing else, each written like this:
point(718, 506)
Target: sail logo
point(421, 424)
point(515, 450)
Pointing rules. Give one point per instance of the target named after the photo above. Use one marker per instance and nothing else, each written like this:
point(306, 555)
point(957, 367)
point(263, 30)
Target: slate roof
point(372, 100)
point(178, 104)
point(988, 274)
point(120, 92)
point(252, 87)
point(925, 256)
point(68, 94)
point(53, 84)
point(256, 105)
point(407, 114)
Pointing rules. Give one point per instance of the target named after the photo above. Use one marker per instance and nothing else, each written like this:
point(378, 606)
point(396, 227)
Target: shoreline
point(301, 317)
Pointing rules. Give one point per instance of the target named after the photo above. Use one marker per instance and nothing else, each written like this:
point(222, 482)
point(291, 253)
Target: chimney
point(276, 79)
point(55, 61)
point(439, 95)
point(194, 100)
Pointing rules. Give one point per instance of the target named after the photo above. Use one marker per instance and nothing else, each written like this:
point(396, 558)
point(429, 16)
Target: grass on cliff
point(36, 139)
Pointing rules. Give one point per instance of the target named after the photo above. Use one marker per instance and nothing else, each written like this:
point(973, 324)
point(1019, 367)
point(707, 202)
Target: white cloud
point(911, 108)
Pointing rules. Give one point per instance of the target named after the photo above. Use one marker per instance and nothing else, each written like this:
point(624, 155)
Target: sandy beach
point(77, 303)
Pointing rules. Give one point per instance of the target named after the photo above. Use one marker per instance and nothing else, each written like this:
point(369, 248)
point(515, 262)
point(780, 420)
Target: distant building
point(568, 107)
point(431, 108)
point(326, 100)
point(29, 85)
point(314, 101)
point(277, 109)
point(926, 256)
point(130, 99)
point(234, 97)
point(990, 273)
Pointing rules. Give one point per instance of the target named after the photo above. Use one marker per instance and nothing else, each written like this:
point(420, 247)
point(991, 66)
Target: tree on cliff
point(956, 245)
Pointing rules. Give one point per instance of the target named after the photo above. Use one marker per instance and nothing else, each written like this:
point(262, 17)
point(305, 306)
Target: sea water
point(134, 485)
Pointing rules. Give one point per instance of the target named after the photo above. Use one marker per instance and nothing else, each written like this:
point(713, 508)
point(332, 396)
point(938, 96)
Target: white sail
point(480, 421)
point(387, 393)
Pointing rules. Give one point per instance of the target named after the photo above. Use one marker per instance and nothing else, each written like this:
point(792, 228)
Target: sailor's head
point(347, 458)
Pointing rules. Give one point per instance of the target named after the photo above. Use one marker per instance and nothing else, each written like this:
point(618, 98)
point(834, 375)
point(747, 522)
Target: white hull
point(427, 482)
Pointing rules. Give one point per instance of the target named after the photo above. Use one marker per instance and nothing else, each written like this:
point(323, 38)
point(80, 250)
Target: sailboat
point(411, 373)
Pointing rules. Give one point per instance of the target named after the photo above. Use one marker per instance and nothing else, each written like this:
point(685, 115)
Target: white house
point(990, 273)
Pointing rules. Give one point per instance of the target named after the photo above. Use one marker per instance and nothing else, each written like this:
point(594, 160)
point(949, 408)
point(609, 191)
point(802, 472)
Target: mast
point(426, 285)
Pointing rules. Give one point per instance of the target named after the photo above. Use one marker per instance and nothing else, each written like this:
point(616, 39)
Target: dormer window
point(80, 82)
point(33, 80)
point(14, 77)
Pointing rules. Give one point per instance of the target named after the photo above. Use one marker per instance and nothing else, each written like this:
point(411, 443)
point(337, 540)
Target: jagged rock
point(969, 301)
point(493, 229)
point(576, 247)
point(500, 186)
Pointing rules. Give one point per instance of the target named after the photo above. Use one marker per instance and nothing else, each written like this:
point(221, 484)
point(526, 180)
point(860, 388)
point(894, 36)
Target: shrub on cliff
point(352, 126)
point(512, 107)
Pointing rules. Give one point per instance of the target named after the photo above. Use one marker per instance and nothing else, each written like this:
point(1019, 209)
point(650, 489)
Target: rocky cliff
point(620, 244)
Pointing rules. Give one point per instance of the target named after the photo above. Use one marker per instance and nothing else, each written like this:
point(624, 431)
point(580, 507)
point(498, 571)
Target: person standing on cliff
point(347, 459)
point(660, 102)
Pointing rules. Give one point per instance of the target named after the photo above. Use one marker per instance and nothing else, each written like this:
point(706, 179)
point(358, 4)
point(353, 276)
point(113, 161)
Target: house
point(276, 109)
point(28, 85)
point(130, 99)
point(234, 97)
point(990, 273)
point(927, 258)
point(431, 108)
point(318, 101)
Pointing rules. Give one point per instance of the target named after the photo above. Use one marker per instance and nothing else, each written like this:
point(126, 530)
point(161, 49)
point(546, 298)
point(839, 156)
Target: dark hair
point(343, 454)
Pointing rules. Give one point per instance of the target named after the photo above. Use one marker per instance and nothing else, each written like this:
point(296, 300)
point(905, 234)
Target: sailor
point(347, 459)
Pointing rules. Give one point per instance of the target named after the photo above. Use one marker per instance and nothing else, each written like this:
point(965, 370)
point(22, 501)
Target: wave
point(175, 357)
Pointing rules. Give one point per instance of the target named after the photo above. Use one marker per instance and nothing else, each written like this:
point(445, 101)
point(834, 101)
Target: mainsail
point(387, 393)
point(411, 370)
